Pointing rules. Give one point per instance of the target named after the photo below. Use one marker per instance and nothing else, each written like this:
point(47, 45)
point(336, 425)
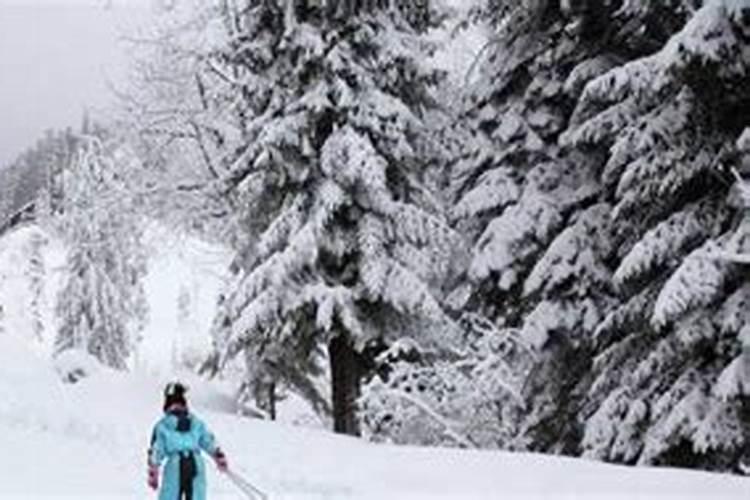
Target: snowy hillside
point(179, 268)
point(88, 441)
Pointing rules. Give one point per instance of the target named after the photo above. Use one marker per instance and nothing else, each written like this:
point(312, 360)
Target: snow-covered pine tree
point(325, 154)
point(185, 325)
point(535, 214)
point(665, 126)
point(536, 209)
point(36, 275)
point(102, 304)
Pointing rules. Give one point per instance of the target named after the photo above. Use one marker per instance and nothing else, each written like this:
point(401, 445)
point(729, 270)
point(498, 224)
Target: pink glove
point(153, 477)
point(221, 461)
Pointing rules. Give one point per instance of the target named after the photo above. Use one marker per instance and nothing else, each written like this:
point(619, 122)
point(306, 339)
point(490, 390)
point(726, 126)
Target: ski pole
point(245, 486)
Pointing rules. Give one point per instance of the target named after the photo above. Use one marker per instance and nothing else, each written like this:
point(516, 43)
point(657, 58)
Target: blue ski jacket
point(179, 438)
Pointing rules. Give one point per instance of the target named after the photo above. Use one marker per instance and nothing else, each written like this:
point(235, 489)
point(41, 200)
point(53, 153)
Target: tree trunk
point(272, 400)
point(345, 378)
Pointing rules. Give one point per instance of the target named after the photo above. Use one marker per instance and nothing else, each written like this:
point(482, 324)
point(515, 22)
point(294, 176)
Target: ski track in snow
point(89, 440)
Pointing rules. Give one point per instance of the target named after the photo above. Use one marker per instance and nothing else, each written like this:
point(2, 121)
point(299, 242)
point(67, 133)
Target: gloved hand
point(153, 477)
point(221, 461)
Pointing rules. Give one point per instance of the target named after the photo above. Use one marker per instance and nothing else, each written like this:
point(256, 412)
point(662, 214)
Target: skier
point(179, 437)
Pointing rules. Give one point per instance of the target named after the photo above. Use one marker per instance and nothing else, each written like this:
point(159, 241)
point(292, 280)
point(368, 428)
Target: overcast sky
point(56, 57)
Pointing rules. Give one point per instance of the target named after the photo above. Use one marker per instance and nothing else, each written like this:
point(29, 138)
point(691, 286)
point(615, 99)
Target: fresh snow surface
point(89, 440)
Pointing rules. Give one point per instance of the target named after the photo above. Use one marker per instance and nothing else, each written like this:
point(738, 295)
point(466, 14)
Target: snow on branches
point(101, 306)
point(469, 401)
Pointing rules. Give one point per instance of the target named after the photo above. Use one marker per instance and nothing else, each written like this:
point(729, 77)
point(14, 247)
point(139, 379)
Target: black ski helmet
point(174, 393)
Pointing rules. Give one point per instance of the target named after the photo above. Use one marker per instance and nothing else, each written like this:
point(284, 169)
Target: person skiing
point(179, 437)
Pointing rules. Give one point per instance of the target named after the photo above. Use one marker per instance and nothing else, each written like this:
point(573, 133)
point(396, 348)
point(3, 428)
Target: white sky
point(56, 57)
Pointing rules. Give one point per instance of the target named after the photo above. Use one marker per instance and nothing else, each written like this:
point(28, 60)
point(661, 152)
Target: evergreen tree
point(101, 304)
point(314, 119)
point(535, 215)
point(358, 245)
point(547, 248)
point(36, 275)
point(184, 325)
point(668, 372)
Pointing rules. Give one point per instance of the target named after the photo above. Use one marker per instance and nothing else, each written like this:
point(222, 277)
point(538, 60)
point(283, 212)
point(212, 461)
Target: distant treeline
point(36, 171)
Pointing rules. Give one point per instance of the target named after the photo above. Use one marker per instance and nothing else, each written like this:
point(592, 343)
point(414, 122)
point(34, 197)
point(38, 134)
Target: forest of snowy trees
point(550, 253)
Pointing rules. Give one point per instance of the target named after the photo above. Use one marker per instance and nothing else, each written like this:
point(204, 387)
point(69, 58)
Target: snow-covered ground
point(89, 440)
point(179, 265)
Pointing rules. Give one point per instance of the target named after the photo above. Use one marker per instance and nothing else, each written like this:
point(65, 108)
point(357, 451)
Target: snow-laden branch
point(735, 257)
point(743, 187)
point(444, 422)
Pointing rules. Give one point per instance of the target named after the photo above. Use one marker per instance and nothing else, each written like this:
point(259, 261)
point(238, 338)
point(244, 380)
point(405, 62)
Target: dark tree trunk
point(345, 379)
point(272, 400)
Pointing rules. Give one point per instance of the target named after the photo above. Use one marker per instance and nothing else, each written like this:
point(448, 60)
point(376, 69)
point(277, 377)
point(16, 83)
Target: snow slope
point(88, 441)
point(179, 264)
point(176, 264)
